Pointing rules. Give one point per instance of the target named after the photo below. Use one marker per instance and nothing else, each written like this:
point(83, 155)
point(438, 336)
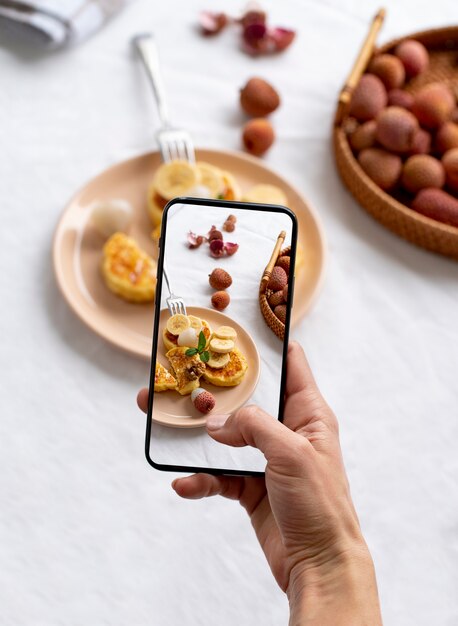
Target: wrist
point(338, 592)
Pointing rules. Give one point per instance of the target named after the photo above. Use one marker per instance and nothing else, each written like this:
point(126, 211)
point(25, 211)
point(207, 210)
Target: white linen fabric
point(89, 532)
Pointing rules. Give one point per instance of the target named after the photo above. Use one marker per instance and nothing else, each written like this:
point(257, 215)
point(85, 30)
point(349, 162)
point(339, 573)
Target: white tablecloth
point(89, 533)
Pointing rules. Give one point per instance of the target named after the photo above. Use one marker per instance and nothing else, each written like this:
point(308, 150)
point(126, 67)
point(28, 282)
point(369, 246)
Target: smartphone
point(213, 349)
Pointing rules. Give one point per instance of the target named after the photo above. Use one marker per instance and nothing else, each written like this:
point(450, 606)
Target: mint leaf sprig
point(200, 350)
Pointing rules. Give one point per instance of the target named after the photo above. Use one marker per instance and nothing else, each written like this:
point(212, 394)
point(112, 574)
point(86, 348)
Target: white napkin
point(54, 23)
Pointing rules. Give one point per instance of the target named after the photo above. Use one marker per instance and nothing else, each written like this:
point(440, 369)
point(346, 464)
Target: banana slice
point(221, 346)
point(211, 177)
point(177, 324)
point(265, 194)
point(231, 187)
point(175, 178)
point(195, 322)
point(225, 332)
point(218, 360)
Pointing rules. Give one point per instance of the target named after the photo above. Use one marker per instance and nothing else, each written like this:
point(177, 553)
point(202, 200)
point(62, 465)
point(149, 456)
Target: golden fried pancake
point(128, 271)
point(230, 375)
point(187, 369)
point(163, 379)
point(231, 187)
point(156, 204)
point(170, 341)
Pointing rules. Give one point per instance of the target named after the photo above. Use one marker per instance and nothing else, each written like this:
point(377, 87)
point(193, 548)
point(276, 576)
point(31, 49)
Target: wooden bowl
point(442, 44)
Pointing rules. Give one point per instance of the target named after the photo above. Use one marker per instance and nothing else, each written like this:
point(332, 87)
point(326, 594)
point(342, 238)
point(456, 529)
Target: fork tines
point(175, 144)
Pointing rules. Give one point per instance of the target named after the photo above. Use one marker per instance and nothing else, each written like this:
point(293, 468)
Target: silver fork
point(174, 143)
point(175, 304)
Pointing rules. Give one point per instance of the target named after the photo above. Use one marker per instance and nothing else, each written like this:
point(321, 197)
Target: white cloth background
point(90, 534)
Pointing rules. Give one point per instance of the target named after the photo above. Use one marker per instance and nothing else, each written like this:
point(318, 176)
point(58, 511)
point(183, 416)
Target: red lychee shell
point(450, 163)
point(389, 69)
point(369, 98)
point(433, 105)
point(220, 300)
point(364, 136)
point(421, 171)
point(284, 262)
point(421, 142)
point(285, 293)
point(280, 312)
point(413, 55)
point(220, 279)
point(396, 128)
point(383, 167)
point(276, 298)
point(278, 279)
point(447, 137)
point(400, 98)
point(205, 402)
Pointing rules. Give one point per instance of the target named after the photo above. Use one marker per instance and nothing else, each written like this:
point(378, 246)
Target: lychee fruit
point(219, 279)
point(438, 205)
point(285, 293)
point(421, 142)
point(447, 137)
point(450, 163)
point(284, 262)
point(258, 135)
point(400, 98)
point(369, 98)
point(421, 171)
point(383, 167)
point(396, 128)
point(433, 105)
point(203, 400)
point(276, 298)
point(220, 300)
point(454, 115)
point(389, 69)
point(364, 136)
point(414, 57)
point(258, 98)
point(278, 279)
point(214, 233)
point(280, 312)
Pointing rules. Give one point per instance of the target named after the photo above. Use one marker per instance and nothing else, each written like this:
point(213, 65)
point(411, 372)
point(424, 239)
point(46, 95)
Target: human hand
point(302, 510)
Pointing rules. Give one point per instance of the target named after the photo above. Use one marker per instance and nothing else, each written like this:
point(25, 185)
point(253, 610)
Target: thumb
point(251, 426)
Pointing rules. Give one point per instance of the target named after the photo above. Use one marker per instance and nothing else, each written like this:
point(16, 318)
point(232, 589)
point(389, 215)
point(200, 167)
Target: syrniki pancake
point(163, 379)
point(231, 374)
point(128, 271)
point(187, 369)
point(171, 341)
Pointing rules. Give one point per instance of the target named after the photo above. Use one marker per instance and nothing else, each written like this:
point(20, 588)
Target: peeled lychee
point(421, 171)
point(369, 98)
point(220, 300)
point(203, 400)
point(438, 205)
point(258, 98)
point(280, 312)
point(414, 56)
point(383, 167)
point(400, 98)
point(450, 163)
point(396, 128)
point(284, 262)
point(278, 279)
point(276, 298)
point(363, 136)
point(258, 135)
point(220, 279)
point(447, 137)
point(389, 69)
point(433, 105)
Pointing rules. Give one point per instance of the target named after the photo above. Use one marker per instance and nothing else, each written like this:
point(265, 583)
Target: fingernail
point(215, 422)
point(174, 483)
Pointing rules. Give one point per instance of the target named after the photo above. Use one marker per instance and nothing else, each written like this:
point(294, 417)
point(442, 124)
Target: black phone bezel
point(249, 206)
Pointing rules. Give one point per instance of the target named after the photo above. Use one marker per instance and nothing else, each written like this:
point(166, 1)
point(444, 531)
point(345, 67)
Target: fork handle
point(166, 280)
point(147, 49)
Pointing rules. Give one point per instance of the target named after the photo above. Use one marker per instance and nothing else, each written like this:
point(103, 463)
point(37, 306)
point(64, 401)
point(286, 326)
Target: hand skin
point(302, 510)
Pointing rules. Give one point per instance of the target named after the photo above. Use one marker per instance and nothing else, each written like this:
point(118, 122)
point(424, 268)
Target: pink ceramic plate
point(171, 409)
point(77, 247)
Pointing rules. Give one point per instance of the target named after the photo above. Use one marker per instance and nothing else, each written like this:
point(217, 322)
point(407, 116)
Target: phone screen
point(226, 348)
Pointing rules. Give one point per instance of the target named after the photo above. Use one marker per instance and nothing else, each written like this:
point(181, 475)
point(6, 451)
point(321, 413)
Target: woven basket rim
point(391, 203)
